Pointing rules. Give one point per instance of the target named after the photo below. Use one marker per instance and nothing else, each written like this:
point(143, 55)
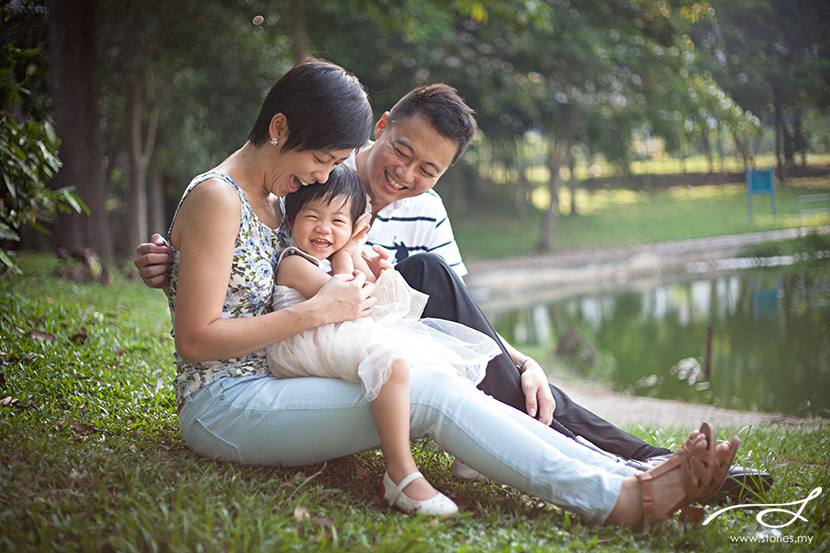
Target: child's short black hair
point(344, 183)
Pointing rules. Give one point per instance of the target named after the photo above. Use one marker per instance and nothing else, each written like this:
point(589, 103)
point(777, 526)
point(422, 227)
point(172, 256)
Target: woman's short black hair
point(326, 107)
point(344, 185)
point(443, 108)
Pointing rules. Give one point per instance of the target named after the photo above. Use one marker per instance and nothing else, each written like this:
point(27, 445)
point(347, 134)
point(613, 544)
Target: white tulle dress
point(363, 350)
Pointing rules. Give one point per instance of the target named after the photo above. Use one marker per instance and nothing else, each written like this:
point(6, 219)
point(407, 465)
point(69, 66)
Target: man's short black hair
point(443, 108)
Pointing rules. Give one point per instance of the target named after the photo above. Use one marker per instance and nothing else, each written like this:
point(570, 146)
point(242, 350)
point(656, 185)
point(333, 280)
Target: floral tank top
point(255, 256)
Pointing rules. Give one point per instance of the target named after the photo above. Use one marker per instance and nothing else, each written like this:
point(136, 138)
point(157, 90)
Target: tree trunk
point(780, 129)
point(549, 225)
point(77, 121)
point(559, 155)
point(522, 188)
point(299, 36)
point(572, 184)
point(139, 152)
point(707, 146)
point(156, 216)
point(742, 149)
point(137, 196)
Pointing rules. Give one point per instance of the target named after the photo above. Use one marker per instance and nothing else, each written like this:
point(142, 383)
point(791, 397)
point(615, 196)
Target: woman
point(226, 244)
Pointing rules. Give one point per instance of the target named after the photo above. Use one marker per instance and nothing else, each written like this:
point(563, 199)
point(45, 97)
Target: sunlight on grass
point(618, 218)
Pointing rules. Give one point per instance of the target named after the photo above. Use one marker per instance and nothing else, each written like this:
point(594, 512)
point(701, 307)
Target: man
point(421, 137)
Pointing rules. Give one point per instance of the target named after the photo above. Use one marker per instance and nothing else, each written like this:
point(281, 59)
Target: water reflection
point(760, 339)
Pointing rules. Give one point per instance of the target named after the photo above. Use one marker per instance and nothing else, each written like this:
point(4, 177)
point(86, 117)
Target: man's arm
point(152, 260)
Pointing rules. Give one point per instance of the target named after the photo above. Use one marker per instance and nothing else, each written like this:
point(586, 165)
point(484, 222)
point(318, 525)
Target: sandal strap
point(402, 484)
point(645, 479)
point(702, 468)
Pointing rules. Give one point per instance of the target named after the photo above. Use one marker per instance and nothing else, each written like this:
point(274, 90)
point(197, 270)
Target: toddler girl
point(377, 351)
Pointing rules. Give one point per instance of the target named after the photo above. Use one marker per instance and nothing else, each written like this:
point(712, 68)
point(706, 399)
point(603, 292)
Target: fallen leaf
point(43, 336)
point(322, 521)
point(360, 471)
point(301, 513)
point(8, 400)
point(80, 336)
point(82, 427)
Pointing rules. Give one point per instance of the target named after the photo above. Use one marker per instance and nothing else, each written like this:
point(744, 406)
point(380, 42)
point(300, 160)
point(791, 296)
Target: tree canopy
point(178, 85)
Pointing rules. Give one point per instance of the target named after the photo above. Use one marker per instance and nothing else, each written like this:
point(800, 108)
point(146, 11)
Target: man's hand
point(538, 397)
point(151, 260)
point(378, 263)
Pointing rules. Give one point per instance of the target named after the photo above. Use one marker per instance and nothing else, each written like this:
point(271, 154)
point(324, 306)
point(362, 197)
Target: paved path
point(626, 410)
point(607, 267)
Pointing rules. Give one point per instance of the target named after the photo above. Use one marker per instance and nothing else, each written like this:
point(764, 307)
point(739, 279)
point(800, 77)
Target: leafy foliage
point(30, 160)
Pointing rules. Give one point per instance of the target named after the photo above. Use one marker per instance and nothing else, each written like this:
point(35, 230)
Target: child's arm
point(350, 257)
point(297, 272)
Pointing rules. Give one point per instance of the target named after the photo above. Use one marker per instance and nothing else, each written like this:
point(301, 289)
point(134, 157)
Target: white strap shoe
point(438, 505)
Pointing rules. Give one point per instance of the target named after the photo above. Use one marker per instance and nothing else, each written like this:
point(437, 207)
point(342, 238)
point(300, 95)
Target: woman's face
point(292, 169)
point(321, 228)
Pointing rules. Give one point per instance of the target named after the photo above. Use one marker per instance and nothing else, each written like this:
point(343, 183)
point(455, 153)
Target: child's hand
point(378, 263)
point(358, 239)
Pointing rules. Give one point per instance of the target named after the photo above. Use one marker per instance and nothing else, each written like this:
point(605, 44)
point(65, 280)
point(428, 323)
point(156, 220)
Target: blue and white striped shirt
point(419, 224)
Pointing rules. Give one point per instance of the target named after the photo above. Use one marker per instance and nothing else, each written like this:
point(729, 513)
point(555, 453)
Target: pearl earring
point(275, 141)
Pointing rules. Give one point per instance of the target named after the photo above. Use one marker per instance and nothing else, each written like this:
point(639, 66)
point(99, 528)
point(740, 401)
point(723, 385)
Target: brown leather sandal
point(693, 462)
point(721, 461)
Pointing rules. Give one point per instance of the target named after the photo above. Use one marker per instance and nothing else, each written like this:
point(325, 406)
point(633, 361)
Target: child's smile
point(322, 228)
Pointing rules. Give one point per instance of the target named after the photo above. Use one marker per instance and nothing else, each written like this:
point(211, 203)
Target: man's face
point(407, 159)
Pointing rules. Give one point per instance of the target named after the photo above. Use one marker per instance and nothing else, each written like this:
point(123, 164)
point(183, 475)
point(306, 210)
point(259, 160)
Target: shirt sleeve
point(442, 241)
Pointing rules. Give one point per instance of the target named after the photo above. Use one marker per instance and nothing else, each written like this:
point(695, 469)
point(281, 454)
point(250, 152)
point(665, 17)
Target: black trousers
point(449, 299)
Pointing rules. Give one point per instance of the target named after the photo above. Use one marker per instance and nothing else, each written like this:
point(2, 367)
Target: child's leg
point(391, 412)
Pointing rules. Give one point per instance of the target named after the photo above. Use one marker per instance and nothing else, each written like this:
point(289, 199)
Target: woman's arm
point(204, 233)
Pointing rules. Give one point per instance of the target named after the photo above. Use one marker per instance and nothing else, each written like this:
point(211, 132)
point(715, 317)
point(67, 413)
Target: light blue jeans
point(299, 421)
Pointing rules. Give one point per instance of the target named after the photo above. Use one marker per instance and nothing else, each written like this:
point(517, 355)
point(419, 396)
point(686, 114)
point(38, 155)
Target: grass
point(618, 218)
point(92, 460)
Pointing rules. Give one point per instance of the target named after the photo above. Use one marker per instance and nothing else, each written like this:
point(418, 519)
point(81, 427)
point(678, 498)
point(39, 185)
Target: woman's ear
point(279, 127)
point(381, 125)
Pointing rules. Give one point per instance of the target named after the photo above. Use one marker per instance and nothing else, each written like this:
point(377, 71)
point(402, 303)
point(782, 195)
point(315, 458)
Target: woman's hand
point(346, 297)
point(151, 260)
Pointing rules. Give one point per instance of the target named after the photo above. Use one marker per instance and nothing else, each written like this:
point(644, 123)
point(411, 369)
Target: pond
point(751, 339)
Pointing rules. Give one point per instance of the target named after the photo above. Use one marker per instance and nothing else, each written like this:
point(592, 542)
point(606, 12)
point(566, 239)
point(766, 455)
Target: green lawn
point(614, 218)
point(92, 460)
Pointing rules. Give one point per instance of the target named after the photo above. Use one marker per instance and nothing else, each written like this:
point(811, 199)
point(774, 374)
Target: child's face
point(320, 229)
